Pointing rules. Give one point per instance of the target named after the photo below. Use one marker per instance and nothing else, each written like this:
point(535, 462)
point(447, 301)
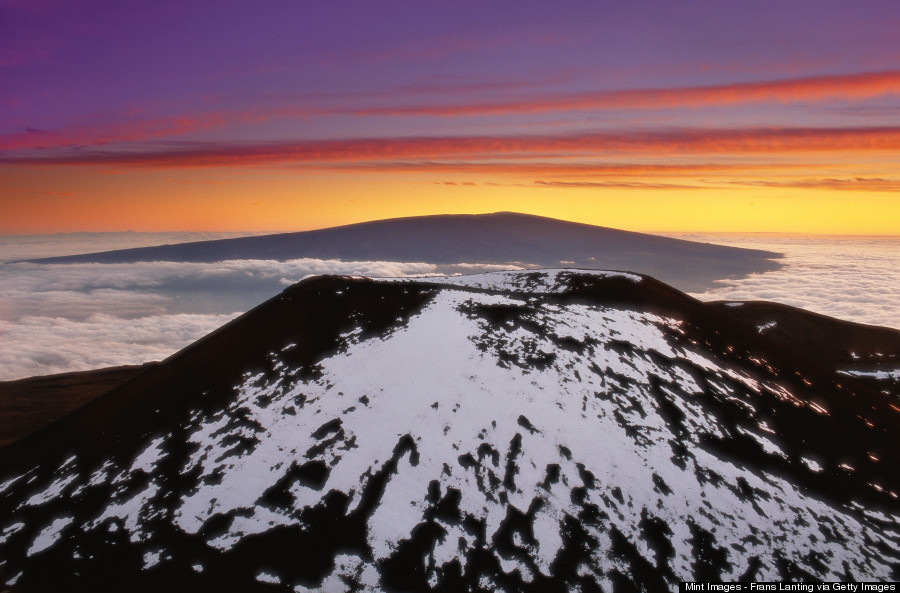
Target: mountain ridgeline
point(503, 238)
point(546, 430)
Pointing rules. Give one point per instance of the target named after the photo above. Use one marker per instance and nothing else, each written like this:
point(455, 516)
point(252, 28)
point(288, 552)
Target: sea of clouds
point(64, 317)
point(851, 278)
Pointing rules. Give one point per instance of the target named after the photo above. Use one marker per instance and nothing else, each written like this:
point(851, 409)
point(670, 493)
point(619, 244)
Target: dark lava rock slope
point(534, 431)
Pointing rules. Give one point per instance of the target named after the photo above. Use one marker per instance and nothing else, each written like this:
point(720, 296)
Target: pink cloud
point(477, 148)
point(847, 87)
point(136, 130)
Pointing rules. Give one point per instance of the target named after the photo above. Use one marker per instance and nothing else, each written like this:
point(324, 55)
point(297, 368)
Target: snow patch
point(149, 457)
point(7, 484)
point(152, 558)
point(10, 530)
point(266, 577)
point(49, 535)
point(55, 489)
point(881, 375)
point(812, 464)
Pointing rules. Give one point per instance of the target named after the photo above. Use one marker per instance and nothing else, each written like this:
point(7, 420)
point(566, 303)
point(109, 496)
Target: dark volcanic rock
point(29, 404)
point(865, 353)
point(539, 431)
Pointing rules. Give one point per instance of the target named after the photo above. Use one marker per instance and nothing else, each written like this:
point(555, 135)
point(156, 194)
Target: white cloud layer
point(855, 279)
point(77, 291)
point(46, 345)
point(65, 317)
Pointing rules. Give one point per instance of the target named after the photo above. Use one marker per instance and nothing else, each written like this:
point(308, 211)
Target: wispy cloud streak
point(852, 87)
point(851, 183)
point(613, 185)
point(369, 150)
point(585, 169)
point(855, 87)
point(128, 131)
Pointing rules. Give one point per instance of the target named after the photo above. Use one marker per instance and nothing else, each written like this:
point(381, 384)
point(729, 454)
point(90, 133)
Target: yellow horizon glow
point(70, 198)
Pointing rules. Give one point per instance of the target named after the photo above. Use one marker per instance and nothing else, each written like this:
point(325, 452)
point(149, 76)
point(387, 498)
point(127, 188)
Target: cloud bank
point(46, 345)
point(855, 279)
point(65, 317)
point(57, 318)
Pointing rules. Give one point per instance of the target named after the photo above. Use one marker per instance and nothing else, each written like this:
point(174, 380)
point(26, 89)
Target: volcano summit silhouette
point(521, 431)
point(503, 238)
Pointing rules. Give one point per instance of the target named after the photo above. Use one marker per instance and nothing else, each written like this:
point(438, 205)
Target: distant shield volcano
point(502, 238)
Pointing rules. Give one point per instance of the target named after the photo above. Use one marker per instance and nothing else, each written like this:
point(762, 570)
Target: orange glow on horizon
point(805, 180)
point(676, 119)
point(73, 198)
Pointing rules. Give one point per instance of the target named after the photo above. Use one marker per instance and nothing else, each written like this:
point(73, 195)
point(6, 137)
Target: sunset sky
point(280, 115)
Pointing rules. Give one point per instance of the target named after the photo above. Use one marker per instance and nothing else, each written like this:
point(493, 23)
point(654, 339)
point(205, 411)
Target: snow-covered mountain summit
point(545, 431)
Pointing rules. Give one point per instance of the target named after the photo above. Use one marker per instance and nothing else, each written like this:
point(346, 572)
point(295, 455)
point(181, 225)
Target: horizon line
point(262, 232)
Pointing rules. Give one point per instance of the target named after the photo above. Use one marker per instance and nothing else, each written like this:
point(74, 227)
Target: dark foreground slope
point(867, 353)
point(29, 404)
point(534, 431)
point(500, 238)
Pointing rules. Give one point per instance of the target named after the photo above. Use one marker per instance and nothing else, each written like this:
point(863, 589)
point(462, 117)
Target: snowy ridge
point(548, 281)
point(499, 438)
